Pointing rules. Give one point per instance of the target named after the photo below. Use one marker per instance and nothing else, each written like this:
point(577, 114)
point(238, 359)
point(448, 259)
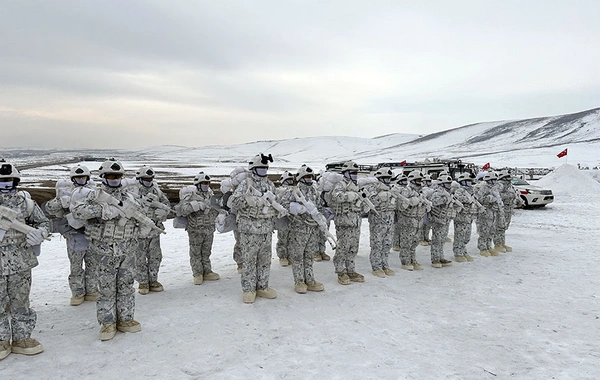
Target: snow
point(533, 313)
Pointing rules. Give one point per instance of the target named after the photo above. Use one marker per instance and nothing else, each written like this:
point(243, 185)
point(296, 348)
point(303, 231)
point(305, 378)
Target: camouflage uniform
point(283, 228)
point(464, 220)
point(200, 229)
point(255, 226)
point(509, 199)
point(17, 319)
point(490, 199)
point(410, 214)
point(149, 254)
point(440, 216)
point(347, 209)
point(381, 224)
point(114, 246)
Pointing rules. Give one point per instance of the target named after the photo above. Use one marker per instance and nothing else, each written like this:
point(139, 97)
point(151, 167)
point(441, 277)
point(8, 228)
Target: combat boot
point(315, 286)
point(239, 268)
point(77, 300)
point(248, 297)
point(417, 266)
point(325, 256)
point(468, 257)
point(212, 276)
point(92, 296)
point(284, 262)
point(28, 346)
point(396, 248)
point(144, 289)
point(198, 280)
point(436, 264)
point(343, 279)
point(445, 262)
point(379, 273)
point(266, 293)
point(317, 257)
point(460, 259)
point(485, 253)
point(156, 286)
point(448, 239)
point(388, 272)
point(4, 349)
point(300, 287)
point(356, 277)
point(507, 248)
point(493, 252)
point(108, 331)
point(424, 243)
point(407, 267)
point(131, 326)
point(499, 248)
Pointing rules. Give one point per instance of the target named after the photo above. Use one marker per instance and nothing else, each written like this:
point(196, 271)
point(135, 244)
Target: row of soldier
point(113, 231)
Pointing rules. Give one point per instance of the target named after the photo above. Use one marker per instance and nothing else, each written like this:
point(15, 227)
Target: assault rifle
point(316, 216)
point(8, 220)
point(365, 199)
point(270, 198)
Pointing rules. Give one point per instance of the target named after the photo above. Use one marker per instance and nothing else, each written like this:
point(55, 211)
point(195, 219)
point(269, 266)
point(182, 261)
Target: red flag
point(562, 154)
point(486, 166)
point(403, 163)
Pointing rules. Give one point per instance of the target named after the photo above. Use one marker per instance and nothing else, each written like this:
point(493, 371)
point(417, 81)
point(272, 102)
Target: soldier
point(381, 222)
point(303, 230)
point(83, 282)
point(510, 199)
point(464, 218)
point(282, 245)
point(200, 228)
point(399, 182)
point(410, 208)
point(326, 211)
point(149, 254)
point(254, 201)
point(442, 211)
point(347, 208)
point(113, 238)
point(425, 230)
point(490, 199)
point(23, 227)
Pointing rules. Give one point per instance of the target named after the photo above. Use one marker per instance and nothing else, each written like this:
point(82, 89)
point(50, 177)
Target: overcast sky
point(140, 73)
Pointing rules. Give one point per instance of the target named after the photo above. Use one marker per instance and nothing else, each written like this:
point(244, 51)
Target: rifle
point(8, 220)
point(397, 193)
point(151, 200)
point(127, 208)
point(426, 202)
point(316, 216)
point(270, 198)
point(365, 199)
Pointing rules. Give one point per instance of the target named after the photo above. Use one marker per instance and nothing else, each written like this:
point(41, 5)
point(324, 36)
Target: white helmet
point(464, 177)
point(201, 177)
point(305, 171)
point(286, 176)
point(145, 172)
point(79, 171)
point(490, 178)
point(349, 166)
point(111, 166)
point(8, 170)
point(504, 174)
point(445, 179)
point(260, 161)
point(415, 175)
point(384, 172)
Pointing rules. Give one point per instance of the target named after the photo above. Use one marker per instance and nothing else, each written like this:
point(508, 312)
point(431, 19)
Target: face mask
point(385, 180)
point(202, 187)
point(146, 182)
point(261, 172)
point(467, 183)
point(6, 187)
point(306, 181)
point(112, 182)
point(491, 182)
point(81, 181)
point(447, 185)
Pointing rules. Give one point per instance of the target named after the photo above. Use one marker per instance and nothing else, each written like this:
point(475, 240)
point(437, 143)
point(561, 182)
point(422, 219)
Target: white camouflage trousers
point(17, 319)
point(348, 239)
point(256, 267)
point(148, 259)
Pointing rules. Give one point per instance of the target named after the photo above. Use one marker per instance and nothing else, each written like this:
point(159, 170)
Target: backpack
point(326, 184)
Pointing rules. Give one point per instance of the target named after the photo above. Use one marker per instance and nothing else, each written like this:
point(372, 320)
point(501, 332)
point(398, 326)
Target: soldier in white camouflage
point(463, 221)
point(303, 230)
point(201, 217)
point(23, 228)
point(410, 210)
point(113, 241)
point(82, 276)
point(442, 211)
point(425, 230)
point(487, 220)
point(510, 199)
point(399, 182)
point(149, 254)
point(282, 246)
point(347, 207)
point(255, 220)
point(381, 221)
point(325, 210)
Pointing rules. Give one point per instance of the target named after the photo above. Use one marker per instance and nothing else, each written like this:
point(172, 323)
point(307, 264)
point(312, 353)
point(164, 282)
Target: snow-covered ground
point(530, 314)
